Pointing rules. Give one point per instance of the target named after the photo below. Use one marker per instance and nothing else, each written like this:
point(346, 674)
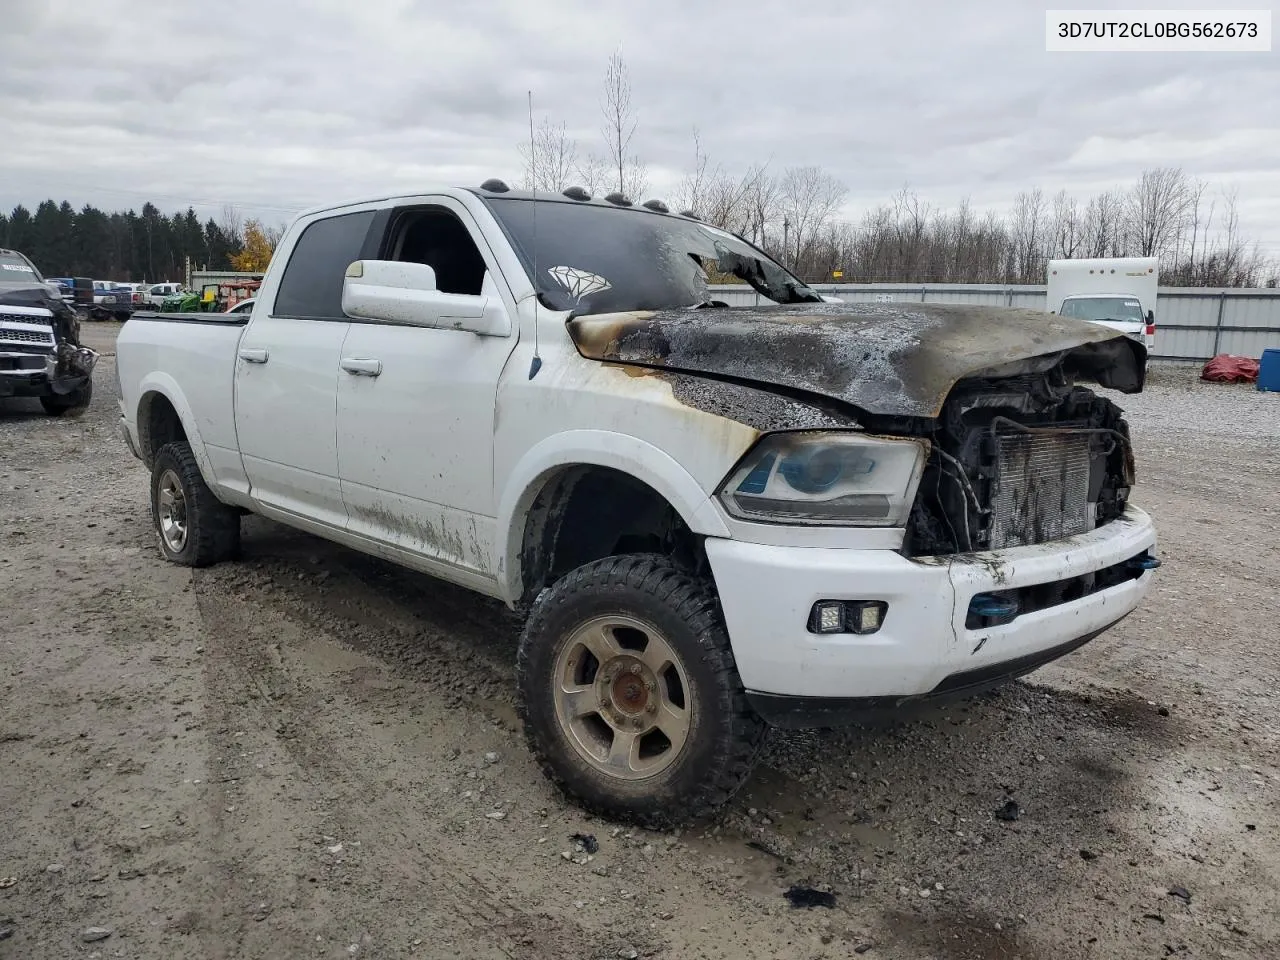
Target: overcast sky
point(275, 105)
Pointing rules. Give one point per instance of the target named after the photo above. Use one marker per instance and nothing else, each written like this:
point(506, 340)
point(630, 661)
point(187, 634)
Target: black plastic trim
point(217, 319)
point(1034, 597)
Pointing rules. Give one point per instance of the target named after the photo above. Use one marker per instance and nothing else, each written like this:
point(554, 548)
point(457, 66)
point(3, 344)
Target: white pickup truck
point(716, 519)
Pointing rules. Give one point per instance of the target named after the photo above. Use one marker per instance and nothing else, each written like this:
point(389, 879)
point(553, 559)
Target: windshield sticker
point(19, 267)
point(579, 283)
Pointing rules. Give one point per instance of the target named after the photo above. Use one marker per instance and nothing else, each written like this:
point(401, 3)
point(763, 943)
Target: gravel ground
point(308, 753)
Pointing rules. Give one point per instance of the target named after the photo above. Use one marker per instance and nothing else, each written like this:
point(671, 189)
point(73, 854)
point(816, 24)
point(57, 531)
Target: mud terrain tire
point(648, 612)
point(194, 528)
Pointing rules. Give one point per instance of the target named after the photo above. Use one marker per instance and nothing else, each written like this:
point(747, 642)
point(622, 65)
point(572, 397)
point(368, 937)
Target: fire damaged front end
point(1020, 460)
point(1010, 543)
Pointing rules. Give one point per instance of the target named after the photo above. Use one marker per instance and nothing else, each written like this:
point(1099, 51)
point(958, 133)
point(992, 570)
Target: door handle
point(253, 354)
point(361, 368)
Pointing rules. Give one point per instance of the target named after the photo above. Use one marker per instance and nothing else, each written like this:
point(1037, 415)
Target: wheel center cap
point(629, 693)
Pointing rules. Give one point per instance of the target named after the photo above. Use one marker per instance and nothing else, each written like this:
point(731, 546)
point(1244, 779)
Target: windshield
point(14, 267)
point(594, 259)
point(1103, 308)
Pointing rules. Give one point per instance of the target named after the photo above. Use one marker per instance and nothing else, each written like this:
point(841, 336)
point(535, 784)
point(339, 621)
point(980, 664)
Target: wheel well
point(586, 513)
point(158, 424)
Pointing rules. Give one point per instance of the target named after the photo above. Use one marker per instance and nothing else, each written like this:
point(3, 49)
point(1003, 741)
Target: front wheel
point(629, 693)
point(194, 527)
point(68, 404)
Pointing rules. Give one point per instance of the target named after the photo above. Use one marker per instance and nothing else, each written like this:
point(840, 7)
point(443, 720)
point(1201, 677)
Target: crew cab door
point(416, 397)
point(286, 377)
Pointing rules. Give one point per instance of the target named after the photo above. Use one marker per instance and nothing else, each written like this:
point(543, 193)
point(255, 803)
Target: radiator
point(1041, 488)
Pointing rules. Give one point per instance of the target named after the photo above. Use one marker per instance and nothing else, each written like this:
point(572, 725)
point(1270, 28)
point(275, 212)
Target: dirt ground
point(308, 753)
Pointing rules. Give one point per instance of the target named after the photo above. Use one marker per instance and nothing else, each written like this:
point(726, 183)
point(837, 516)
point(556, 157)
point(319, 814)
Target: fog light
point(827, 617)
point(864, 616)
point(847, 616)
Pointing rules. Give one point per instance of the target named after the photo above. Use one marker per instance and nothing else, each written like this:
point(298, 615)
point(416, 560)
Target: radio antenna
point(536, 364)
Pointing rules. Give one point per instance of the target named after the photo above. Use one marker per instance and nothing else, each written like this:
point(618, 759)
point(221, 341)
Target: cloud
point(278, 105)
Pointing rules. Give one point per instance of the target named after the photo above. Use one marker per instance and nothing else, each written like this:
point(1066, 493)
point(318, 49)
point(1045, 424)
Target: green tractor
point(212, 298)
point(181, 302)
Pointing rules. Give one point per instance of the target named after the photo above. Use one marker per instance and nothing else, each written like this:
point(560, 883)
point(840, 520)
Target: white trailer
point(1115, 292)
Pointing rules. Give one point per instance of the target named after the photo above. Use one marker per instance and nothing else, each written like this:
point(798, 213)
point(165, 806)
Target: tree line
point(795, 215)
point(129, 246)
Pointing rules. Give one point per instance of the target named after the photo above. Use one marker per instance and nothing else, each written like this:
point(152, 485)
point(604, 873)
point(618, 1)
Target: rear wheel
point(69, 404)
point(194, 527)
point(629, 694)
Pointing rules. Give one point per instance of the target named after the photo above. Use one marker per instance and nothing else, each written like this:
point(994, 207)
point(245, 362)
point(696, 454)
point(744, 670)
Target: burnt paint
point(761, 410)
point(886, 360)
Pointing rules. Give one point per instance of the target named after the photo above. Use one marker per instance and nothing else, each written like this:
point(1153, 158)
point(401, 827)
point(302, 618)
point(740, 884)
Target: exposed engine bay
point(1017, 461)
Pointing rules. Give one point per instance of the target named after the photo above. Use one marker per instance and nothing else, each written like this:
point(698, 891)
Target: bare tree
point(1029, 229)
point(627, 171)
point(1068, 233)
point(762, 204)
point(593, 173)
point(693, 189)
point(551, 160)
point(733, 204)
point(910, 220)
point(1156, 211)
point(232, 225)
point(810, 199)
point(1102, 226)
point(1195, 190)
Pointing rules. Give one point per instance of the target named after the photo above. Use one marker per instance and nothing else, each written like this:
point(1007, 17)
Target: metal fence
point(1192, 323)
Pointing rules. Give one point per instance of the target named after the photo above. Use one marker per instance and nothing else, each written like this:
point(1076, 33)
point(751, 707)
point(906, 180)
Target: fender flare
point(166, 386)
point(595, 448)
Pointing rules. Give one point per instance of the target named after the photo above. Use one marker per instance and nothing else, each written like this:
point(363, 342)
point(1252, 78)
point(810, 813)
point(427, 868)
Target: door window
point(311, 288)
point(437, 238)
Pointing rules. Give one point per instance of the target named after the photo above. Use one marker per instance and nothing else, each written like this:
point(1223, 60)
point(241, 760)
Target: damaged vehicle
point(715, 520)
point(40, 351)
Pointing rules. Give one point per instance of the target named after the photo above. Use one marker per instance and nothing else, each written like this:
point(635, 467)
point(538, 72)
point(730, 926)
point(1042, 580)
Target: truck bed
point(191, 357)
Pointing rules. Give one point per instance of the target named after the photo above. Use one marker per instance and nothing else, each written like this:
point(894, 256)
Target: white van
point(1116, 292)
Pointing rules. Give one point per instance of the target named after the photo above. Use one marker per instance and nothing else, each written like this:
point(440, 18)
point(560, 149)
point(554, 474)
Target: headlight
point(826, 478)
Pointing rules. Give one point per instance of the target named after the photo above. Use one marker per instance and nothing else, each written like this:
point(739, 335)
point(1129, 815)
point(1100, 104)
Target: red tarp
point(1224, 368)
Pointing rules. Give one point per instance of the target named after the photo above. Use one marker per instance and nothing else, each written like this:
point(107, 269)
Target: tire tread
point(694, 600)
point(213, 528)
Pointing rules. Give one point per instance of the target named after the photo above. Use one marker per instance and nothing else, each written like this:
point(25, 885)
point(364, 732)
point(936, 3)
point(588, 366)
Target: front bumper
point(27, 374)
point(924, 646)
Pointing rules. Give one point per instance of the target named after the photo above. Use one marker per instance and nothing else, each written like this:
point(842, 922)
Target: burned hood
point(887, 360)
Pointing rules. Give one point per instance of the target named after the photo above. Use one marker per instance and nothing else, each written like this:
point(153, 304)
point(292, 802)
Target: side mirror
point(1151, 316)
point(389, 291)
